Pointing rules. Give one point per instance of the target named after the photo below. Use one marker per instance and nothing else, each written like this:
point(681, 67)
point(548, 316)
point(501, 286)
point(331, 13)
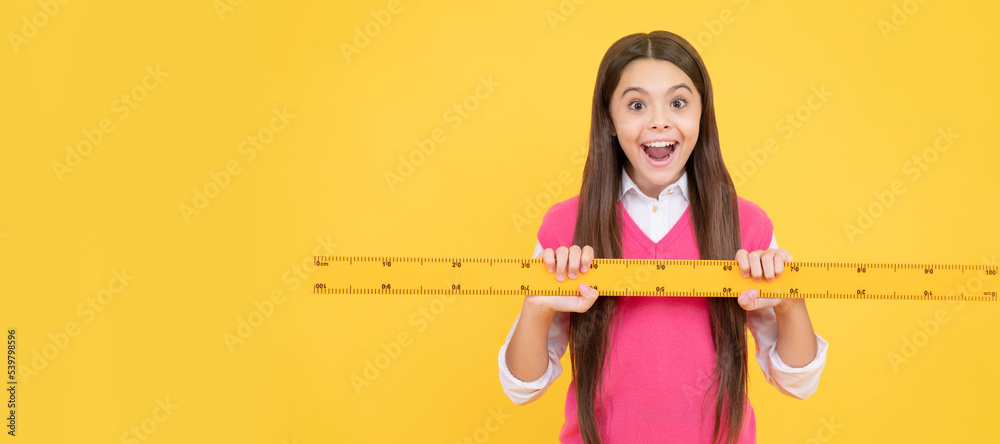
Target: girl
point(649, 369)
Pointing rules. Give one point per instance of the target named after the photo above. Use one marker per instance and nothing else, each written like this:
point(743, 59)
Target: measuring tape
point(371, 275)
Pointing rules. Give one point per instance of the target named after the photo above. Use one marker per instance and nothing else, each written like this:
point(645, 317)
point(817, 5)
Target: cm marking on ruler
point(374, 275)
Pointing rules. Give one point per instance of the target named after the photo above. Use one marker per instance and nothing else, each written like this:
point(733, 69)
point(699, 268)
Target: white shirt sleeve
point(797, 382)
point(523, 392)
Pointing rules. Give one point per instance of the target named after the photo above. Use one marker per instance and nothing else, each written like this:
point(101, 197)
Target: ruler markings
point(653, 277)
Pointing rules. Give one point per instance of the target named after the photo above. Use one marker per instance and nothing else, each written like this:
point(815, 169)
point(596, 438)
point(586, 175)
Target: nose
point(658, 119)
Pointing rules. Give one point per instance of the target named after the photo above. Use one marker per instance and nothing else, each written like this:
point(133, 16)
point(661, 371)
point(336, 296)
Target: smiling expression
point(656, 110)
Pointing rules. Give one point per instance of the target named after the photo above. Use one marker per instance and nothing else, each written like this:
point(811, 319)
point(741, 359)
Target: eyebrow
point(642, 91)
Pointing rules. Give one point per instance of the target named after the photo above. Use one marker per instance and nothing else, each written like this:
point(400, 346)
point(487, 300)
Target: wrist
point(789, 305)
point(536, 312)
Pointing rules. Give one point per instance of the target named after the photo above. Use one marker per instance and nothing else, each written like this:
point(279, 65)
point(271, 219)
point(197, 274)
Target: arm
point(524, 386)
point(527, 353)
point(789, 352)
point(796, 338)
point(526, 349)
point(798, 381)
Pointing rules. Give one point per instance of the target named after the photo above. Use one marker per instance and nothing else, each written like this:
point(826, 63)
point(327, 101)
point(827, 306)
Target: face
point(656, 110)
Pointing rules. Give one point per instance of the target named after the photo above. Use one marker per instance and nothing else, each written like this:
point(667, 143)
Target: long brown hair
point(715, 216)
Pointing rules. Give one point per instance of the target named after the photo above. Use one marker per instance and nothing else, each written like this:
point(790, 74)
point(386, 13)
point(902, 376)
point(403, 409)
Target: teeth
point(659, 144)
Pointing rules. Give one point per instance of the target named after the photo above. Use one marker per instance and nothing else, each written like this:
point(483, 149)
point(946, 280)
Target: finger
point(587, 298)
point(549, 257)
point(768, 302)
point(578, 304)
point(767, 265)
point(586, 257)
point(780, 258)
point(574, 261)
point(750, 300)
point(743, 262)
point(746, 299)
point(755, 270)
point(561, 257)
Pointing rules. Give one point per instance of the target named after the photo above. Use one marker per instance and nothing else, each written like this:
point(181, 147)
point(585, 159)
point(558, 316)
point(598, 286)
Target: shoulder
point(756, 227)
point(559, 223)
point(751, 211)
point(562, 210)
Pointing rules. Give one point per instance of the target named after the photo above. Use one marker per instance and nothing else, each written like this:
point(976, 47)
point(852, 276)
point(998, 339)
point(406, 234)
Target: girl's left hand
point(760, 265)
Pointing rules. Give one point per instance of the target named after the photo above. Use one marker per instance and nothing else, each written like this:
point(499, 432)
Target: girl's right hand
point(566, 262)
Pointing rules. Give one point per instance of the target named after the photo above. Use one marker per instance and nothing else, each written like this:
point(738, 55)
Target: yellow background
point(323, 176)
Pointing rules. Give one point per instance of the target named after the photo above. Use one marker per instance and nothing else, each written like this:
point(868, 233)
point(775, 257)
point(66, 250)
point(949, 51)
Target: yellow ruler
point(377, 275)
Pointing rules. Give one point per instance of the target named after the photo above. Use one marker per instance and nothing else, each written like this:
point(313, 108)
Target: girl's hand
point(567, 262)
point(761, 264)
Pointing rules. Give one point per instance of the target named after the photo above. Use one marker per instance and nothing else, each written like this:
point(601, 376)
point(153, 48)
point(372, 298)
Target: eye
point(633, 103)
point(679, 103)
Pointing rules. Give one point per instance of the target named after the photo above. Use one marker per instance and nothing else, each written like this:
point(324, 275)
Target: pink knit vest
point(657, 374)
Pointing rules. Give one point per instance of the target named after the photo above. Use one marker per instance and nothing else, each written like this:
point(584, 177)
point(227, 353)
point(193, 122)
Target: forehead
point(653, 75)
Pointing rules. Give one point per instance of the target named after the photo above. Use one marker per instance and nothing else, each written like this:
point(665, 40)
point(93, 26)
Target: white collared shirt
point(655, 217)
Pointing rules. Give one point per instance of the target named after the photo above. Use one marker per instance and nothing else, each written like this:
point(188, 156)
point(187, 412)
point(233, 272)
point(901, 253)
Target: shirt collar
point(627, 184)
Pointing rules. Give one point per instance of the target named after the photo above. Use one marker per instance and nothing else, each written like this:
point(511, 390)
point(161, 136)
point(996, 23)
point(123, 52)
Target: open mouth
point(659, 151)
